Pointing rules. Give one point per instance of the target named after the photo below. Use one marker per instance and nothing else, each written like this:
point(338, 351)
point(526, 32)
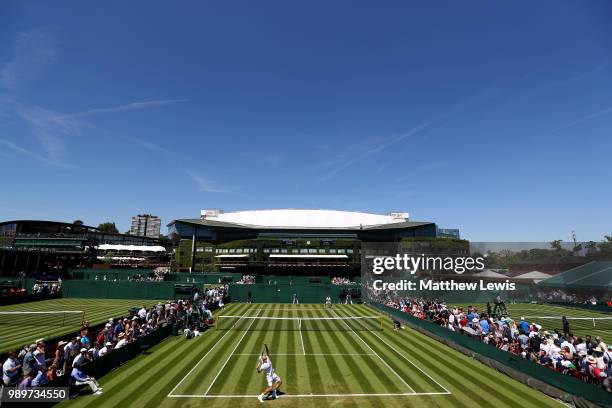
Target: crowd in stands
point(246, 280)
point(12, 292)
point(45, 288)
point(38, 364)
point(559, 295)
point(341, 281)
point(586, 358)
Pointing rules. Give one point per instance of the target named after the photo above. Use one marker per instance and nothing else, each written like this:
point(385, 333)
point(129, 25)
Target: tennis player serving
point(273, 380)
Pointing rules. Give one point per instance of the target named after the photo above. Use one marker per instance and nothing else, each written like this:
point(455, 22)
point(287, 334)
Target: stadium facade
point(37, 245)
point(288, 240)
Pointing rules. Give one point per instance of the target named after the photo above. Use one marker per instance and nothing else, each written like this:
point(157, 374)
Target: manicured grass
point(96, 311)
point(339, 367)
point(542, 313)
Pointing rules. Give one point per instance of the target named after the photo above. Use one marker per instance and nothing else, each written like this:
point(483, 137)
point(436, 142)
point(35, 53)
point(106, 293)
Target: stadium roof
point(303, 219)
point(596, 274)
point(487, 273)
point(296, 218)
point(533, 275)
point(120, 247)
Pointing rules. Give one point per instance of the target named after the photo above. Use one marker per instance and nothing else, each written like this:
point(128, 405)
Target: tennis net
point(42, 319)
point(258, 323)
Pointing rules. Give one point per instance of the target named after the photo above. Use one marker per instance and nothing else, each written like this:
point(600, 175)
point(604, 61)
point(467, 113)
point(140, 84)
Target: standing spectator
point(566, 326)
point(58, 358)
point(10, 370)
point(29, 362)
point(71, 350)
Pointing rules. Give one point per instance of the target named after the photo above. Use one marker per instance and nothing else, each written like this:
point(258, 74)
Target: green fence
point(572, 389)
point(291, 280)
point(307, 293)
point(117, 290)
point(207, 278)
point(110, 274)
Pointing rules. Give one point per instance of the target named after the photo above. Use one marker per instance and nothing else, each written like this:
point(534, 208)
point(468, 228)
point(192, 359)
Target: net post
point(217, 323)
point(82, 317)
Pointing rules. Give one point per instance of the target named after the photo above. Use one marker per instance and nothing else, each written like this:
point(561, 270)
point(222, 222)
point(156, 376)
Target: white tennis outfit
point(271, 376)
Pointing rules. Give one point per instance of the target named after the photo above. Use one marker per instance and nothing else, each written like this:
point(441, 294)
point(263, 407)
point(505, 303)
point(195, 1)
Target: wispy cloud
point(145, 144)
point(129, 107)
point(33, 52)
point(31, 154)
point(204, 184)
point(583, 119)
point(343, 160)
point(375, 150)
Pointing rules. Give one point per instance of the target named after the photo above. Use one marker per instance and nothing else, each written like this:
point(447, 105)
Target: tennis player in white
point(273, 380)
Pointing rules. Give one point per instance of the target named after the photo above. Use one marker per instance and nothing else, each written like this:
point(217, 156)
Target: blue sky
point(491, 117)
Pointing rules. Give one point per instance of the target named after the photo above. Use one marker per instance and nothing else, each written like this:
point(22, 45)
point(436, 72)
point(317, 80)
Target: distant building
point(145, 225)
point(34, 246)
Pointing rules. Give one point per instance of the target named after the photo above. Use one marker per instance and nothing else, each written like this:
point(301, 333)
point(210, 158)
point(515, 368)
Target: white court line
point(309, 354)
point(198, 363)
point(400, 394)
point(230, 356)
point(301, 336)
point(381, 359)
point(408, 360)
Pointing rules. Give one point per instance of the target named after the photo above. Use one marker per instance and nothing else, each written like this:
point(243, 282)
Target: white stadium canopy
point(304, 218)
point(119, 247)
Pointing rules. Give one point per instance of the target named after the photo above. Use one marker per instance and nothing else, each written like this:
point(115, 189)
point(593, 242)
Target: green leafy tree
point(108, 228)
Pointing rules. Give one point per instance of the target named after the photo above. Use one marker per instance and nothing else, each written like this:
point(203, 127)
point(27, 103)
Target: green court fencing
point(524, 370)
point(117, 290)
point(291, 280)
point(209, 278)
point(110, 274)
point(307, 293)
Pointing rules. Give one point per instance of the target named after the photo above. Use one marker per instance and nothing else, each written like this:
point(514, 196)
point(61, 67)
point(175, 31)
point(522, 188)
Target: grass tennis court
point(549, 317)
point(14, 336)
point(330, 362)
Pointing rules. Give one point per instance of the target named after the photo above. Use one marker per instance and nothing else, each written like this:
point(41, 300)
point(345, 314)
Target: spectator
point(122, 341)
point(104, 350)
point(81, 378)
point(29, 362)
point(10, 370)
point(81, 359)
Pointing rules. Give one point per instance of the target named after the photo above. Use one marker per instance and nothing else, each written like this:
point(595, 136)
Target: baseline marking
point(198, 363)
point(404, 394)
point(413, 364)
point(381, 359)
point(309, 354)
point(230, 356)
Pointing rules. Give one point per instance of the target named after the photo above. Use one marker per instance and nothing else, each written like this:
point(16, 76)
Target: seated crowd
point(341, 281)
point(246, 280)
point(38, 364)
point(45, 288)
point(587, 359)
